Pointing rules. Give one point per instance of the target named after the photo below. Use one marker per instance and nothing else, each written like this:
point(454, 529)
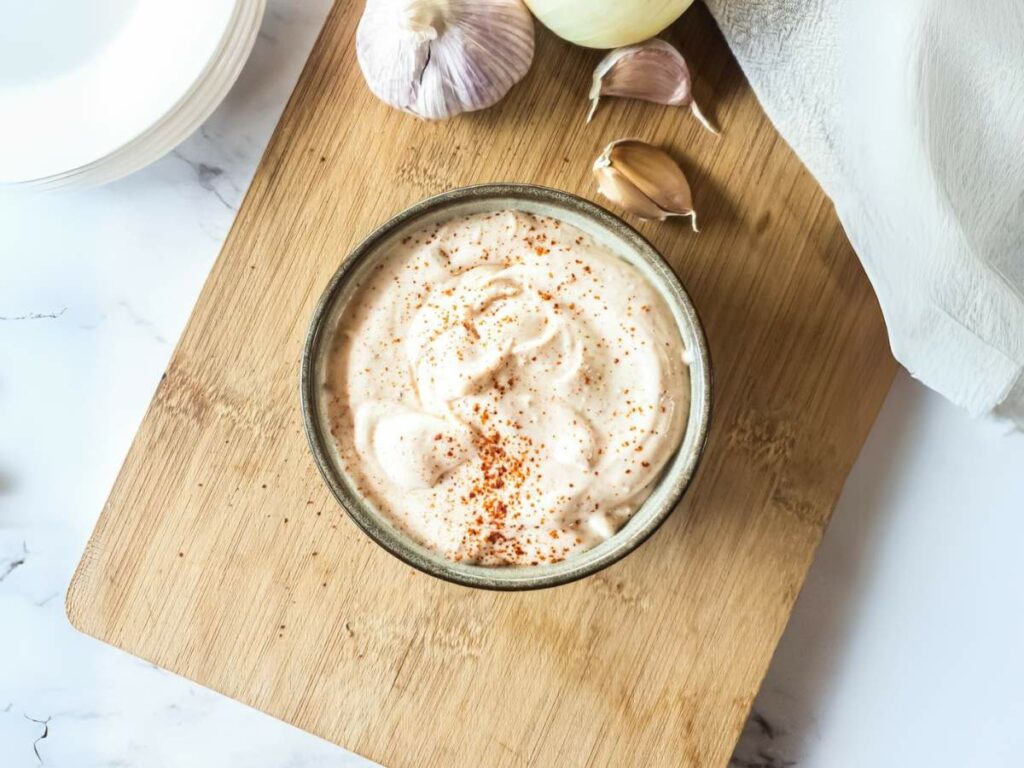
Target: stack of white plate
point(91, 91)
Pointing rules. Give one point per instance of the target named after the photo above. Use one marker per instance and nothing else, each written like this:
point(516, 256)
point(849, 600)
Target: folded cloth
point(911, 116)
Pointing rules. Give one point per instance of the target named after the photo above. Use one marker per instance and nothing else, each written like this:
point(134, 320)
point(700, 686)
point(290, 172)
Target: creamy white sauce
point(505, 389)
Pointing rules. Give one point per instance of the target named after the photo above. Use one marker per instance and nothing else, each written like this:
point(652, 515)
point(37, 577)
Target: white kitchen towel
point(910, 113)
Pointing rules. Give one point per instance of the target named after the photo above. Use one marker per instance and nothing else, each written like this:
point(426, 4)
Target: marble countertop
point(903, 650)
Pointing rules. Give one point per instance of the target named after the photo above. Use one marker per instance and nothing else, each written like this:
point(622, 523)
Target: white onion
point(607, 23)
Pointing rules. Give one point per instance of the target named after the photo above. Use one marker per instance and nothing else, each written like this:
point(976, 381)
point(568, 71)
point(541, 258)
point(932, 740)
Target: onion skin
point(607, 23)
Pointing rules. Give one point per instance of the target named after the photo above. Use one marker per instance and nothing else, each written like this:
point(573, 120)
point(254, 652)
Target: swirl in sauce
point(506, 390)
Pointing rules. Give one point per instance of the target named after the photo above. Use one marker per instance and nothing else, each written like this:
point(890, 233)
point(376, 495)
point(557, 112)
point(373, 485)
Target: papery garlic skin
point(438, 58)
point(644, 180)
point(607, 23)
point(653, 70)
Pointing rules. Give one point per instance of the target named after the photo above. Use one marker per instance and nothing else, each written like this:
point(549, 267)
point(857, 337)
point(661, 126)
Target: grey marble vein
point(36, 315)
point(44, 735)
point(11, 564)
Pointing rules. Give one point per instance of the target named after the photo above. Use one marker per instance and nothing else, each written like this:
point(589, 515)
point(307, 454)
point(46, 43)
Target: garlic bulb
point(437, 58)
point(653, 70)
point(644, 180)
point(607, 23)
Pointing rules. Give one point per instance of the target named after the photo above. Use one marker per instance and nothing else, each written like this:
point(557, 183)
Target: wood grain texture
point(221, 556)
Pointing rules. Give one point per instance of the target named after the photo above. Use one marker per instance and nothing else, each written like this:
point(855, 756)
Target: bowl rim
point(371, 521)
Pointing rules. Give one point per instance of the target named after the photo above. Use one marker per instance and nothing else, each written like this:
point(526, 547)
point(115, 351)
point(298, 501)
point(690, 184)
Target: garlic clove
point(655, 174)
point(438, 58)
point(653, 70)
point(644, 180)
point(644, 71)
point(616, 187)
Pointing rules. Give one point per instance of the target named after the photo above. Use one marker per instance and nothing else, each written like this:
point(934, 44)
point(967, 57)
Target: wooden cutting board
point(221, 556)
